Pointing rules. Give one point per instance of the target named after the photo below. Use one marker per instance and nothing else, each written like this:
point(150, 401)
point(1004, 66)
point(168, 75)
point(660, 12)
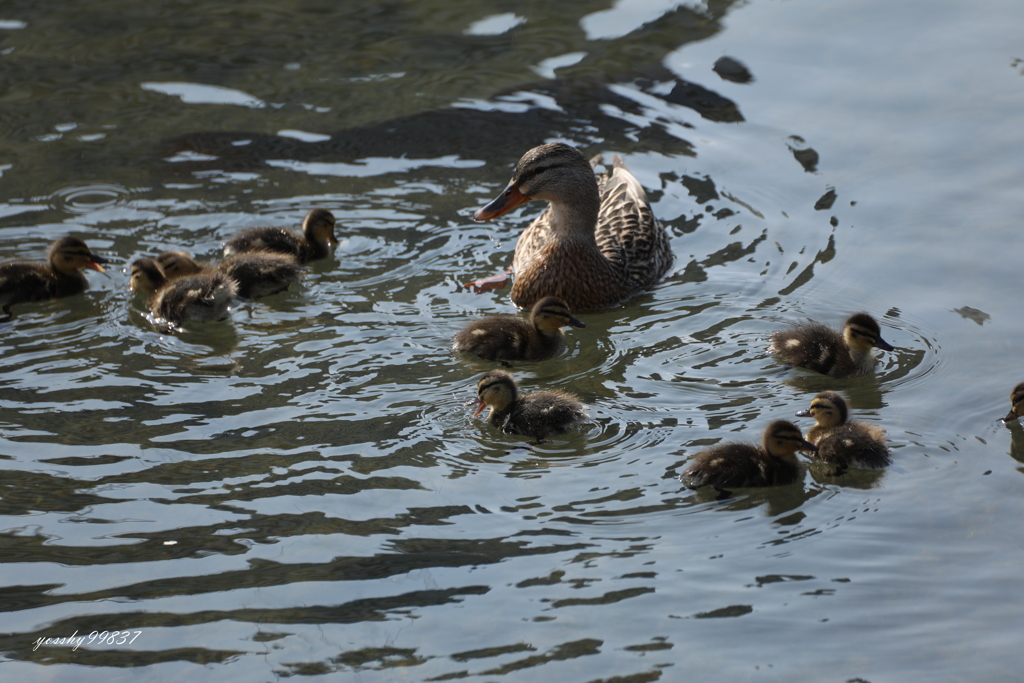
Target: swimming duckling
point(314, 242)
point(257, 273)
point(597, 243)
point(60, 276)
point(737, 465)
point(537, 415)
point(508, 337)
point(198, 298)
point(1016, 402)
point(822, 349)
point(842, 443)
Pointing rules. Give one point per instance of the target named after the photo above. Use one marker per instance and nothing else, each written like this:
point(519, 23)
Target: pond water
point(303, 492)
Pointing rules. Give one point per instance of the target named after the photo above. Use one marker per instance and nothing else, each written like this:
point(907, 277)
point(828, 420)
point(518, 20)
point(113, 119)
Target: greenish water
point(302, 492)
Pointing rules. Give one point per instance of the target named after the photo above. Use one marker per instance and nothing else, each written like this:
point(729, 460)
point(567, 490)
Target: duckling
point(205, 296)
point(842, 443)
point(1016, 402)
point(597, 243)
point(538, 414)
point(60, 276)
point(824, 350)
point(736, 465)
point(257, 273)
point(314, 242)
point(507, 337)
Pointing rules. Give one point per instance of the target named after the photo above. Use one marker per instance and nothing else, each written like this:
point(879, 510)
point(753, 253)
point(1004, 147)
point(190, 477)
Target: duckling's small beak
point(95, 262)
point(576, 322)
point(806, 445)
point(1011, 416)
point(884, 345)
point(506, 201)
point(481, 406)
point(804, 413)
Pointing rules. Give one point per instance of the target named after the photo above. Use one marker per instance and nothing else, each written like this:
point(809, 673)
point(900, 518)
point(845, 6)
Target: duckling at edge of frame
point(735, 464)
point(1016, 403)
point(539, 414)
point(509, 337)
point(60, 276)
point(822, 349)
point(841, 442)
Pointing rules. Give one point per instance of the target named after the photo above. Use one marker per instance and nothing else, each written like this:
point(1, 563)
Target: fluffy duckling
point(537, 415)
point(843, 443)
point(1016, 403)
point(60, 276)
point(822, 349)
point(257, 273)
point(197, 298)
point(508, 337)
point(597, 243)
point(737, 465)
point(314, 242)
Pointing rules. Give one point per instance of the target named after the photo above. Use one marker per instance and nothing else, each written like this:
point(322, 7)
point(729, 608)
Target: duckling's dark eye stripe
point(488, 386)
point(860, 332)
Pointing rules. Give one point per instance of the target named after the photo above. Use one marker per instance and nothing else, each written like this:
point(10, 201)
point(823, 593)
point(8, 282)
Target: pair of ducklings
point(258, 262)
point(833, 440)
point(508, 337)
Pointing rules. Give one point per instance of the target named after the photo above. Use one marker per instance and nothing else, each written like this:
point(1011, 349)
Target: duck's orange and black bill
point(95, 262)
point(480, 407)
point(506, 201)
point(884, 345)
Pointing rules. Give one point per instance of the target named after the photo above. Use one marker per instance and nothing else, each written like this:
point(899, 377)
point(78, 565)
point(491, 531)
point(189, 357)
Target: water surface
point(302, 491)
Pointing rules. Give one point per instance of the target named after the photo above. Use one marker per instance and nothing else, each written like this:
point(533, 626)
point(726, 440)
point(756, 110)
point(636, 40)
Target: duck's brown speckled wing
point(627, 232)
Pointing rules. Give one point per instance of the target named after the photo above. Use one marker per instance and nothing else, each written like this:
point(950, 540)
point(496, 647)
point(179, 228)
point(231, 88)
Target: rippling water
point(301, 491)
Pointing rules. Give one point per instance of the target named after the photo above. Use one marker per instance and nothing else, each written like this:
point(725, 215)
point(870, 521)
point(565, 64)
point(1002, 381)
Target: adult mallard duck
point(60, 276)
point(538, 414)
point(202, 297)
point(257, 273)
point(314, 242)
point(1016, 403)
point(737, 465)
point(841, 442)
point(597, 243)
point(824, 350)
point(508, 337)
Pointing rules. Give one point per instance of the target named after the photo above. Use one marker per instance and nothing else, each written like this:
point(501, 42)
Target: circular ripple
point(89, 198)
